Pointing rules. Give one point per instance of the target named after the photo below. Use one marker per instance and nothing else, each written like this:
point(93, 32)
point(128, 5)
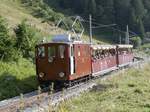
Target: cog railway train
point(65, 60)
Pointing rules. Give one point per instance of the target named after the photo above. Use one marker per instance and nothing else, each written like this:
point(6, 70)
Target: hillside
point(134, 13)
point(15, 12)
point(108, 12)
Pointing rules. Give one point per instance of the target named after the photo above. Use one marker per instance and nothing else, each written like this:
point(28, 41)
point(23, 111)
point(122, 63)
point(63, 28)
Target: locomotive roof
point(63, 39)
point(67, 43)
point(125, 46)
point(96, 47)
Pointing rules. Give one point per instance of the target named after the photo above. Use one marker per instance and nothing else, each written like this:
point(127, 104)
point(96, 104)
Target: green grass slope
point(126, 92)
point(15, 12)
point(17, 77)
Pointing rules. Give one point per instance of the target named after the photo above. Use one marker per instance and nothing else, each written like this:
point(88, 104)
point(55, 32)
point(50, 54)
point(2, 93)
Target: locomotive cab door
point(72, 60)
point(41, 59)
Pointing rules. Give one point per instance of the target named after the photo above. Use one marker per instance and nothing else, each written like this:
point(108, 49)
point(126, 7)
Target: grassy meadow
point(127, 92)
point(16, 77)
point(14, 12)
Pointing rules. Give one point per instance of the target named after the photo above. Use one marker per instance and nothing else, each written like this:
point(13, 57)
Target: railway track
point(42, 100)
point(39, 102)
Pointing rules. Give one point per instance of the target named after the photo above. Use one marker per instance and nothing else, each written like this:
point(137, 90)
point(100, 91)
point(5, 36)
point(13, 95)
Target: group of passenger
point(101, 54)
point(124, 51)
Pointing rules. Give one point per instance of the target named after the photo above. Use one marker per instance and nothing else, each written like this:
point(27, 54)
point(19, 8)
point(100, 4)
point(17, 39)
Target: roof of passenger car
point(125, 46)
point(104, 47)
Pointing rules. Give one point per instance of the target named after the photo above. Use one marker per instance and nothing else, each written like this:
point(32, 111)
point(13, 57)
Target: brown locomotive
point(66, 60)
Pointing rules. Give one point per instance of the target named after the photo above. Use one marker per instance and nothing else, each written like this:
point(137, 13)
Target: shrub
point(42, 10)
point(17, 77)
point(26, 39)
point(39, 12)
point(136, 41)
point(7, 50)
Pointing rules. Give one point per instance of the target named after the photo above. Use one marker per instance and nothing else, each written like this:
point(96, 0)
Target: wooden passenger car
point(124, 55)
point(103, 59)
point(81, 54)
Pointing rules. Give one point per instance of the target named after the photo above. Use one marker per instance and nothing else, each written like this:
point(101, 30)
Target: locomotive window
point(62, 51)
point(51, 53)
point(41, 52)
point(79, 49)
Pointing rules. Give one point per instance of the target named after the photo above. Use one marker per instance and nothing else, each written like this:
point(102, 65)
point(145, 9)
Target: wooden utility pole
point(90, 18)
point(127, 36)
point(120, 39)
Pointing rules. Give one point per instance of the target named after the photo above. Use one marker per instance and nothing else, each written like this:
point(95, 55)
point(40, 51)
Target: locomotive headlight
point(61, 74)
point(41, 75)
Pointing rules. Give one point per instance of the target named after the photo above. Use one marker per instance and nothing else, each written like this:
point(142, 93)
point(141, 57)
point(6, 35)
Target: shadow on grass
point(11, 86)
point(102, 87)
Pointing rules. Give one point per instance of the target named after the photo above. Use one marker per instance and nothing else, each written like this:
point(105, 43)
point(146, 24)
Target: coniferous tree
point(122, 11)
point(109, 11)
point(91, 7)
point(139, 12)
point(78, 6)
point(146, 4)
